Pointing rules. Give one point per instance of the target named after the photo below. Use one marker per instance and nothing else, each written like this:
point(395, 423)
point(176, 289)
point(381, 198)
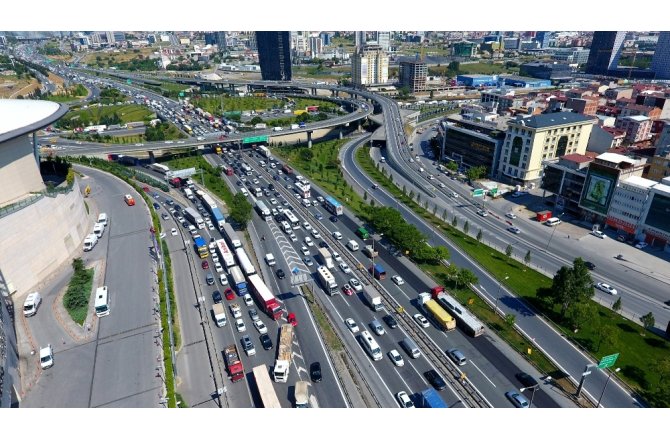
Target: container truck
point(264, 297)
point(301, 394)
point(370, 251)
point(432, 308)
point(189, 194)
point(238, 280)
point(231, 235)
point(217, 218)
point(233, 363)
point(373, 299)
point(200, 246)
point(431, 399)
point(219, 314)
point(192, 215)
point(378, 271)
point(326, 258)
point(283, 362)
point(245, 262)
point(265, 151)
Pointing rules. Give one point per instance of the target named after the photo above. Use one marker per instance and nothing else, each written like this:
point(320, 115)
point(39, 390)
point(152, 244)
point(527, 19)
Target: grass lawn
point(324, 106)
point(236, 103)
point(78, 294)
point(121, 56)
point(213, 182)
point(127, 112)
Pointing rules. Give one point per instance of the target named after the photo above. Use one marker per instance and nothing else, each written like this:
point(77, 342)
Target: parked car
point(599, 234)
point(266, 342)
point(526, 379)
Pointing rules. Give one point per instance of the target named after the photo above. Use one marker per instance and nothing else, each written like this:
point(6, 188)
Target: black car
point(216, 295)
point(277, 194)
point(390, 321)
point(184, 224)
point(177, 207)
point(280, 274)
point(435, 380)
point(157, 206)
point(266, 342)
point(333, 218)
point(589, 265)
point(315, 372)
point(526, 380)
point(323, 244)
point(271, 187)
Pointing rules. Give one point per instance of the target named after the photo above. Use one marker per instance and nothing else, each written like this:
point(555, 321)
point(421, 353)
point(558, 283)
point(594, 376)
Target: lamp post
point(605, 387)
point(373, 254)
point(495, 309)
point(534, 388)
point(552, 232)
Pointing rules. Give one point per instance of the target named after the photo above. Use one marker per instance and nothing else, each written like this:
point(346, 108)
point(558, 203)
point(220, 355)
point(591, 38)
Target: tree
point(466, 227)
point(452, 166)
point(662, 367)
point(617, 305)
point(474, 173)
point(508, 250)
point(240, 210)
point(306, 154)
point(570, 286)
point(480, 234)
point(607, 335)
point(454, 222)
point(648, 320)
point(526, 259)
point(581, 313)
point(454, 67)
point(451, 272)
point(256, 120)
point(510, 319)
point(365, 195)
point(465, 277)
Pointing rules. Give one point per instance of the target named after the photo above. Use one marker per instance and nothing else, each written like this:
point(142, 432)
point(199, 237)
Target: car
point(218, 267)
point(337, 235)
point(510, 215)
point(293, 237)
point(517, 399)
point(280, 274)
point(621, 238)
point(345, 267)
point(308, 261)
point(606, 288)
point(396, 358)
point(165, 216)
point(180, 219)
point(351, 325)
point(599, 234)
point(641, 245)
point(398, 280)
point(304, 250)
point(307, 226)
point(355, 284)
point(336, 256)
point(173, 231)
point(209, 279)
point(589, 265)
point(253, 314)
point(411, 160)
point(184, 223)
point(215, 258)
point(333, 218)
point(435, 380)
point(46, 357)
point(266, 341)
point(235, 310)
point(442, 185)
point(318, 216)
point(457, 356)
point(315, 234)
point(514, 230)
point(315, 372)
point(262, 329)
point(248, 300)
point(421, 320)
point(239, 325)
point(157, 205)
point(248, 346)
point(390, 321)
point(292, 319)
point(482, 212)
point(216, 297)
point(308, 241)
point(404, 400)
point(526, 379)
point(205, 265)
point(347, 290)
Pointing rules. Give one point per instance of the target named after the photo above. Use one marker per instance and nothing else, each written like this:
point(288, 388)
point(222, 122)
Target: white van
point(90, 241)
point(306, 203)
point(31, 304)
point(244, 191)
point(286, 227)
point(270, 259)
point(98, 229)
point(553, 221)
point(102, 303)
point(102, 218)
point(46, 357)
point(352, 245)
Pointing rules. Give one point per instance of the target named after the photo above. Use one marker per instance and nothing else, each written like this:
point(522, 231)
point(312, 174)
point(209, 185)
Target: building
point(603, 139)
point(628, 205)
point(550, 71)
point(359, 39)
point(325, 37)
point(465, 49)
point(587, 105)
point(525, 82)
point(470, 141)
point(274, 55)
point(413, 75)
point(384, 40)
point(637, 128)
point(660, 64)
point(532, 141)
point(656, 224)
point(502, 100)
point(543, 38)
point(659, 168)
point(476, 80)
point(315, 47)
point(512, 43)
point(663, 141)
point(605, 52)
point(653, 113)
point(616, 93)
point(565, 180)
point(655, 99)
point(572, 55)
point(370, 65)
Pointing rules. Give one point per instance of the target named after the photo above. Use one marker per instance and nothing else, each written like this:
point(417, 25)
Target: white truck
point(301, 394)
point(326, 258)
point(90, 241)
point(294, 126)
point(373, 299)
point(270, 259)
point(284, 354)
point(219, 314)
point(189, 194)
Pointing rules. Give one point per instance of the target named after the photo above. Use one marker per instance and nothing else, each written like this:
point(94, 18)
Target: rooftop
point(553, 119)
point(615, 158)
point(637, 118)
point(640, 182)
point(662, 188)
point(577, 158)
point(23, 116)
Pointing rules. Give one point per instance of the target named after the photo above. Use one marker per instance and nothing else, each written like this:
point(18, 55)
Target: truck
point(363, 233)
point(238, 280)
point(194, 217)
point(231, 235)
point(260, 126)
point(439, 314)
point(431, 399)
point(284, 354)
point(301, 392)
point(219, 314)
point(262, 210)
point(326, 258)
point(176, 182)
point(378, 271)
point(228, 171)
point(295, 126)
point(265, 151)
point(217, 217)
point(264, 297)
point(287, 169)
point(201, 248)
point(373, 299)
point(189, 194)
point(233, 363)
point(370, 251)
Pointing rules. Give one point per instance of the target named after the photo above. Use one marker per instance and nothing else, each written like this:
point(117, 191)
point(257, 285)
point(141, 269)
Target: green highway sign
point(478, 193)
point(255, 139)
point(129, 81)
point(181, 94)
point(608, 361)
point(493, 191)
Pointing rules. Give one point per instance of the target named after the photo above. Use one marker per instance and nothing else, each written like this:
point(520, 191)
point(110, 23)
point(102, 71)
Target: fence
point(34, 197)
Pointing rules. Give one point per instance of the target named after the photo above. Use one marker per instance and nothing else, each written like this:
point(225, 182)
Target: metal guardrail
point(49, 192)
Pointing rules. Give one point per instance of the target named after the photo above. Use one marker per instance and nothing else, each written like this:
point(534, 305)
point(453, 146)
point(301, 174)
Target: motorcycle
point(619, 257)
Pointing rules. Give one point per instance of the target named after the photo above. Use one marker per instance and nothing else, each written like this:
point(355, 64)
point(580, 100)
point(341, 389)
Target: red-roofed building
point(605, 138)
point(587, 105)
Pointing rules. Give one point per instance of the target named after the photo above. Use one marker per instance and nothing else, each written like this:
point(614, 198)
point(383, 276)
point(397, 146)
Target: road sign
point(493, 192)
point(255, 139)
point(478, 193)
point(181, 94)
point(608, 361)
point(295, 270)
point(129, 81)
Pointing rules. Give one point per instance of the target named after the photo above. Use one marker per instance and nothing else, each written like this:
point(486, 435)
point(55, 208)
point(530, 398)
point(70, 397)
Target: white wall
point(19, 173)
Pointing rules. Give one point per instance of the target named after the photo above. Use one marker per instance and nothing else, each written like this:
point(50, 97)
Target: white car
point(482, 212)
point(606, 288)
point(336, 256)
point(599, 234)
point(641, 245)
point(273, 201)
point(337, 235)
point(215, 257)
point(397, 279)
point(239, 325)
point(248, 300)
point(404, 400)
point(345, 267)
point(173, 231)
point(293, 237)
point(514, 230)
point(510, 215)
point(218, 267)
point(210, 226)
point(304, 250)
point(47, 357)
point(355, 284)
point(316, 234)
point(454, 195)
point(442, 185)
point(307, 226)
point(308, 241)
point(351, 324)
point(423, 322)
point(396, 358)
point(262, 329)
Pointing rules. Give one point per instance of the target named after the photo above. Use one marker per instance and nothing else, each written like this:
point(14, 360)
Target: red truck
point(436, 291)
point(176, 182)
point(287, 169)
point(264, 297)
point(233, 362)
point(229, 171)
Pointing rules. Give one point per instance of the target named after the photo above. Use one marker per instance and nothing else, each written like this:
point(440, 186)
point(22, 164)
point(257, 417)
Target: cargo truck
point(370, 251)
point(301, 394)
point(378, 271)
point(283, 362)
point(373, 299)
point(192, 215)
point(233, 363)
point(189, 194)
point(326, 258)
point(264, 297)
point(431, 399)
point(219, 314)
point(432, 308)
point(294, 126)
point(238, 280)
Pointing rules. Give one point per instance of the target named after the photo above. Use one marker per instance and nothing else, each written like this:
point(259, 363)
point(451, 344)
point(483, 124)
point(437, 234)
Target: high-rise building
point(413, 75)
point(384, 40)
point(274, 55)
point(218, 38)
point(542, 37)
point(315, 46)
point(359, 38)
point(605, 52)
point(325, 37)
point(660, 64)
point(370, 65)
point(110, 37)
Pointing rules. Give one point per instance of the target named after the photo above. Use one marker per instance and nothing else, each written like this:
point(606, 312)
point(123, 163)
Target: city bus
point(370, 346)
point(245, 262)
point(102, 306)
point(265, 389)
point(160, 168)
point(292, 219)
point(333, 206)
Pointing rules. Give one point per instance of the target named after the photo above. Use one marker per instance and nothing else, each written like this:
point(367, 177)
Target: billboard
point(658, 215)
point(598, 189)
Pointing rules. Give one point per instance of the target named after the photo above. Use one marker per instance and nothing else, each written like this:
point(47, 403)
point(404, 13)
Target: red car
point(205, 265)
point(347, 290)
point(230, 295)
point(291, 319)
point(146, 189)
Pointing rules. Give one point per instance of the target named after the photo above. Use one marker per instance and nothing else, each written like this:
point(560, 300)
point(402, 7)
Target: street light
point(534, 388)
point(552, 232)
point(495, 309)
point(605, 387)
point(373, 254)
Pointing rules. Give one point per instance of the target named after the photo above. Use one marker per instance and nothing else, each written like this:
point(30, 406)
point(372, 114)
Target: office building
point(370, 65)
point(325, 37)
point(565, 180)
point(543, 38)
point(637, 128)
point(550, 71)
point(359, 39)
point(413, 75)
point(660, 64)
point(572, 55)
point(629, 203)
point(274, 55)
point(465, 49)
point(659, 167)
point(663, 142)
point(605, 52)
point(656, 224)
point(501, 100)
point(315, 47)
point(384, 40)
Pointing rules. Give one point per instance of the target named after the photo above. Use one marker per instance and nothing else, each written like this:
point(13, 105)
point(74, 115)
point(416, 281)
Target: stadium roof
point(22, 116)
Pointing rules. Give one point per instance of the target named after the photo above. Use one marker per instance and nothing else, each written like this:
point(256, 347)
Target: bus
point(102, 305)
point(231, 235)
point(292, 219)
point(188, 129)
point(265, 389)
point(333, 206)
point(370, 346)
point(466, 320)
point(303, 189)
point(226, 255)
point(245, 262)
point(246, 168)
point(327, 280)
point(263, 210)
point(159, 168)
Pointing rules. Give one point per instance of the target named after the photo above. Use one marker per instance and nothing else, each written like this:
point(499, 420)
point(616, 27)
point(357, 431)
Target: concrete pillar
point(341, 135)
point(309, 139)
point(36, 150)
